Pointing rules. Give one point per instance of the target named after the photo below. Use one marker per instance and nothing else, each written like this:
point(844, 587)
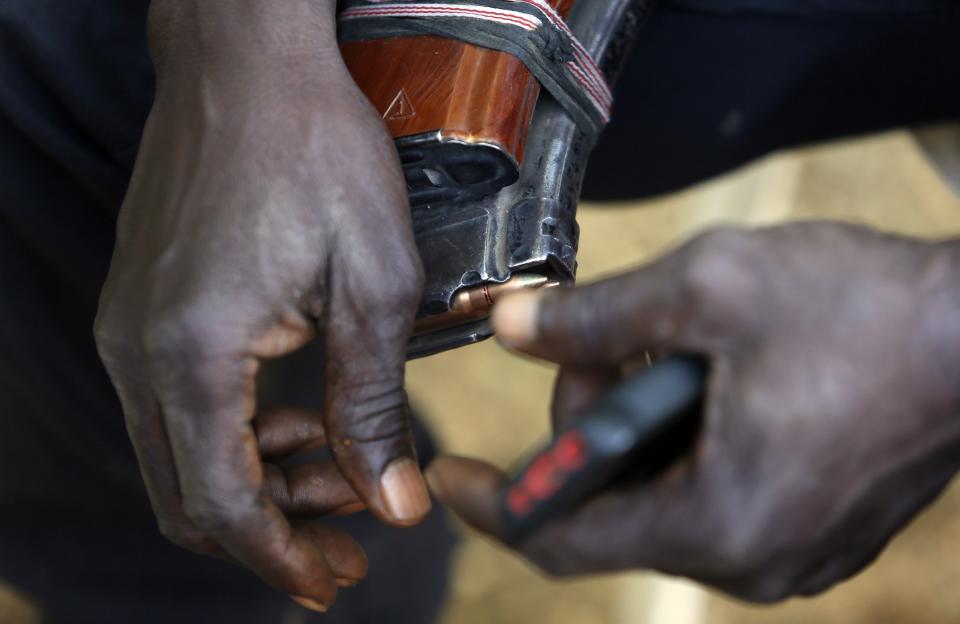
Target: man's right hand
point(830, 418)
point(267, 206)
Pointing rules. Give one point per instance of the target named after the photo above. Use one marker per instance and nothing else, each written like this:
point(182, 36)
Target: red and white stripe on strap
point(582, 68)
point(583, 58)
point(474, 11)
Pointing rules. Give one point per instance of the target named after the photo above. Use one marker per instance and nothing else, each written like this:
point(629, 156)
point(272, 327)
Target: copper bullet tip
point(474, 304)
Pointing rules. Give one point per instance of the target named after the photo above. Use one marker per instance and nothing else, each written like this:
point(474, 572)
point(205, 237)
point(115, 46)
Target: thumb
point(366, 414)
point(471, 488)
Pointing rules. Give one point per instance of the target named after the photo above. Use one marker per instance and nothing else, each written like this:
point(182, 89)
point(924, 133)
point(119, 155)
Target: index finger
point(696, 298)
point(603, 322)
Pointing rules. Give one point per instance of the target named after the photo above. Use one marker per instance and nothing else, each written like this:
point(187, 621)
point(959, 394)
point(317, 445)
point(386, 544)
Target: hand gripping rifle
point(495, 106)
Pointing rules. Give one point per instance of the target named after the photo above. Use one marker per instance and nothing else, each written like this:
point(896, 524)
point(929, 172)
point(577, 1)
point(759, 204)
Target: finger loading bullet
point(475, 304)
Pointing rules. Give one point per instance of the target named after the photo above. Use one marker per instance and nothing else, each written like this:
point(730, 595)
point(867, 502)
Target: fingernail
point(515, 319)
point(347, 582)
point(404, 492)
point(309, 603)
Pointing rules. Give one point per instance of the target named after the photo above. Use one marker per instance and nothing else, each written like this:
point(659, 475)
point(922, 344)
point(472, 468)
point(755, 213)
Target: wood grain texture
point(467, 93)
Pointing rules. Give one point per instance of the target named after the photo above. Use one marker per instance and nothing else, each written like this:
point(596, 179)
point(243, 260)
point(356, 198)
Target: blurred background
point(481, 401)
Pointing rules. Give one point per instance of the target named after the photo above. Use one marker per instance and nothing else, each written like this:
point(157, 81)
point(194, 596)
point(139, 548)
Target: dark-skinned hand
point(831, 415)
point(267, 206)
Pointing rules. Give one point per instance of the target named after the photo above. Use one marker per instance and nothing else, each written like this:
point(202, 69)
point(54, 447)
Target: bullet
point(475, 304)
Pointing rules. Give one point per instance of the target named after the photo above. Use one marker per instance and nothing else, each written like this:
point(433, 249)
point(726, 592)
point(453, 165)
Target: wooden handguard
point(459, 113)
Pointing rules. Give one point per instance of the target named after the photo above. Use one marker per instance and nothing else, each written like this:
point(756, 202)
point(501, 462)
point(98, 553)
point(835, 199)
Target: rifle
point(494, 164)
point(494, 210)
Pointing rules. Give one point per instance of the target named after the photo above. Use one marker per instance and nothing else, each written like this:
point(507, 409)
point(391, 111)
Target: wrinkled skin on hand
point(831, 415)
point(267, 206)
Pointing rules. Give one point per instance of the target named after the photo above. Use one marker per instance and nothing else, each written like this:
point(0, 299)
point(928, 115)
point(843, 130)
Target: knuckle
point(375, 411)
point(110, 336)
point(412, 273)
point(554, 565)
point(387, 307)
point(740, 547)
point(712, 260)
point(401, 272)
point(558, 554)
point(756, 525)
point(208, 518)
point(723, 238)
point(174, 335)
point(766, 589)
point(214, 515)
point(815, 587)
point(553, 568)
point(103, 332)
point(182, 536)
point(718, 276)
point(401, 286)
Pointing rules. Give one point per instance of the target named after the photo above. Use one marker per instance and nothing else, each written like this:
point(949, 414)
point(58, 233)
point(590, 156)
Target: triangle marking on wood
point(400, 107)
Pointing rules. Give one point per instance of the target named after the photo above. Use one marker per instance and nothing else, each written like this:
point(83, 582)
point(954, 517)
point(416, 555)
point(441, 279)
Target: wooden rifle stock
point(459, 113)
